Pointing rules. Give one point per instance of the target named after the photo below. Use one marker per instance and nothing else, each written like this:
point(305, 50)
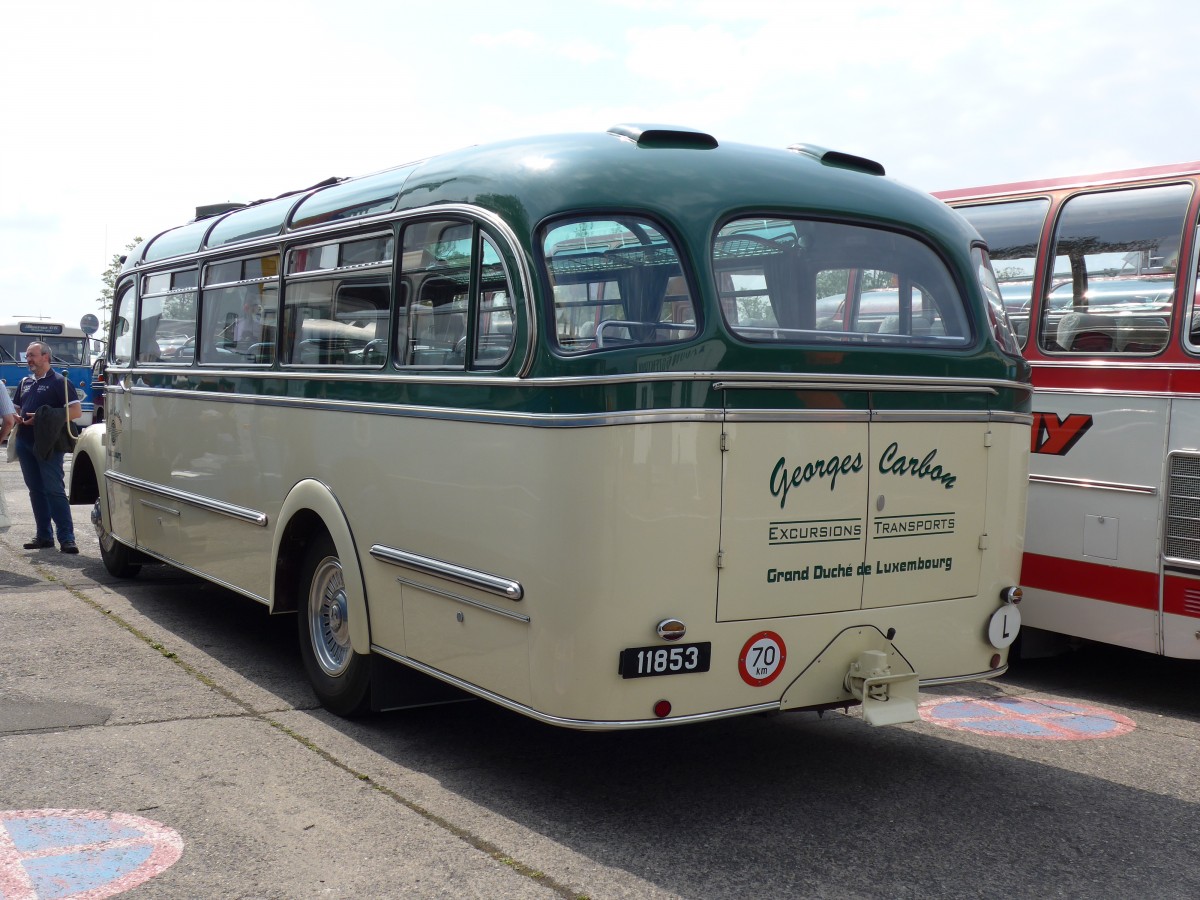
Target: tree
point(109, 278)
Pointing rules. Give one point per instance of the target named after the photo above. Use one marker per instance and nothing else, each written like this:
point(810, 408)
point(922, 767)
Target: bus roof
point(1148, 173)
point(36, 328)
point(682, 174)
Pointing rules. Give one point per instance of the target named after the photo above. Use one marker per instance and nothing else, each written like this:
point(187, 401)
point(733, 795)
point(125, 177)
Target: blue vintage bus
point(70, 349)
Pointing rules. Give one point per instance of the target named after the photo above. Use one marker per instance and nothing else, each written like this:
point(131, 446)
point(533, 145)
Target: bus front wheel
point(117, 558)
point(340, 677)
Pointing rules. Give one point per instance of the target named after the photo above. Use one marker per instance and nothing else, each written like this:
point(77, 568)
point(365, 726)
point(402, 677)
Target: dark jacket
point(50, 432)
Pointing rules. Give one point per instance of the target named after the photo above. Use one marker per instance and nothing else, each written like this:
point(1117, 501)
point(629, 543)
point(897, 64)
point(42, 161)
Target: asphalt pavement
point(157, 736)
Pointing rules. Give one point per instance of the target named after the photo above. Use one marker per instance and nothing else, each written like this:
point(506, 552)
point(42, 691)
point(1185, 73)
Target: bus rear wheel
point(340, 677)
point(117, 558)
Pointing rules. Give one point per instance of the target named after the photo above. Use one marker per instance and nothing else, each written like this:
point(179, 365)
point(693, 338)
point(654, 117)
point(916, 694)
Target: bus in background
point(70, 355)
point(595, 427)
point(1098, 274)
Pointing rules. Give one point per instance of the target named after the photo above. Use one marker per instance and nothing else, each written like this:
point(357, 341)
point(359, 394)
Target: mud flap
point(396, 686)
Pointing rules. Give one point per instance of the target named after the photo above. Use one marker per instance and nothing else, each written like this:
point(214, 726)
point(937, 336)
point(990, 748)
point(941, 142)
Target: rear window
point(800, 281)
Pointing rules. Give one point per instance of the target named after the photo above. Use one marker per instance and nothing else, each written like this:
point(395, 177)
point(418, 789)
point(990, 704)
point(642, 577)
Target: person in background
point(8, 413)
point(41, 447)
point(8, 421)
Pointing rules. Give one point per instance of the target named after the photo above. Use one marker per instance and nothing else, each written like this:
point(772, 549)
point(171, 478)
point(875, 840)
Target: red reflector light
point(662, 708)
point(995, 660)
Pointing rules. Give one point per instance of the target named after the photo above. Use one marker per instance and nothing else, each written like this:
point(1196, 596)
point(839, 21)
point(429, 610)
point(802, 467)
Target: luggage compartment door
point(926, 511)
point(793, 517)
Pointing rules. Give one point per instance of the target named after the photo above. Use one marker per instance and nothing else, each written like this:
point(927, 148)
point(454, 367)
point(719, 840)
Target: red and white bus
point(1098, 274)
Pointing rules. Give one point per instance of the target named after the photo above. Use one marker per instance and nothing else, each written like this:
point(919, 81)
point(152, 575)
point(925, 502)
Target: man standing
point(45, 393)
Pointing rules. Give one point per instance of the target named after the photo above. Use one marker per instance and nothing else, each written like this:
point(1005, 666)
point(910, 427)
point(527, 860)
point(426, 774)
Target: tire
point(340, 678)
point(118, 559)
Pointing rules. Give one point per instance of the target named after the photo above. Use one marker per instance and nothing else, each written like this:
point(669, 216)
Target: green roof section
point(353, 198)
point(260, 220)
point(177, 242)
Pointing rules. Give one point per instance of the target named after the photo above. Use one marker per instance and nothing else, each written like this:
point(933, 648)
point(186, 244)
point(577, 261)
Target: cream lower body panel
point(609, 530)
point(819, 654)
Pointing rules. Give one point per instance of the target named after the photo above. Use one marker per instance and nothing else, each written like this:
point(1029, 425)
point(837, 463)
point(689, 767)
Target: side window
point(437, 282)
point(1192, 335)
point(1111, 288)
point(1012, 232)
point(338, 302)
point(458, 300)
point(495, 320)
point(122, 325)
point(616, 282)
point(241, 309)
point(167, 316)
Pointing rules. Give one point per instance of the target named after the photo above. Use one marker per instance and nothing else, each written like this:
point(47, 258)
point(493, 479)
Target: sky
point(118, 119)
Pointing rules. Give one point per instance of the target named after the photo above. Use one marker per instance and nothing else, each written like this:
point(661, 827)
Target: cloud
point(522, 40)
point(121, 125)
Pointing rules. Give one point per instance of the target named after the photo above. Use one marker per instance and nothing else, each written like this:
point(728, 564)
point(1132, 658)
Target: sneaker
point(38, 544)
point(69, 547)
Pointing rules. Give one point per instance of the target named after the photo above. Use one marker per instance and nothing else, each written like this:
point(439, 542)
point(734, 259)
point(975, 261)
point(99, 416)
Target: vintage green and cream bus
point(615, 430)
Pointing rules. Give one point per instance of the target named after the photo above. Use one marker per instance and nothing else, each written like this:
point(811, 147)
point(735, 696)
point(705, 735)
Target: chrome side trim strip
point(453, 414)
point(484, 581)
point(863, 415)
point(592, 420)
point(579, 724)
point(898, 384)
point(945, 415)
point(955, 679)
point(797, 415)
point(1011, 418)
point(1094, 485)
point(241, 513)
point(722, 380)
point(419, 585)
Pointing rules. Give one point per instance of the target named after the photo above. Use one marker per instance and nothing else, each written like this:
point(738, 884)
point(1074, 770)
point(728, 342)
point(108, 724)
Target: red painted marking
point(1118, 377)
point(1054, 436)
point(1039, 185)
point(1126, 587)
point(1027, 718)
point(165, 844)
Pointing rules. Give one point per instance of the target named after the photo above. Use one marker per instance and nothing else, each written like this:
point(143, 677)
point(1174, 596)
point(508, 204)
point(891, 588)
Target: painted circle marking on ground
point(762, 658)
point(80, 853)
point(1029, 719)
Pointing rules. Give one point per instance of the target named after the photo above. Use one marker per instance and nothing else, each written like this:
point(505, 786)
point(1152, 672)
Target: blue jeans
point(47, 493)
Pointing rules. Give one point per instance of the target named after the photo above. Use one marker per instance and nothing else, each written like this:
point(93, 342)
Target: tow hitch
point(887, 698)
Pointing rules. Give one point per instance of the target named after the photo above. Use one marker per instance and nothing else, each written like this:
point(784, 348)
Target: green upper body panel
point(690, 192)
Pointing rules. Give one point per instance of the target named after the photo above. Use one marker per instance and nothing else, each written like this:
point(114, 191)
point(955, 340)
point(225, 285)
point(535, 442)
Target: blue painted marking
point(61, 854)
point(44, 833)
point(73, 873)
point(1019, 717)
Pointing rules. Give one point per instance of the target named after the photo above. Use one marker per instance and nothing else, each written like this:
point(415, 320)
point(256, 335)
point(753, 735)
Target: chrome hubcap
point(328, 624)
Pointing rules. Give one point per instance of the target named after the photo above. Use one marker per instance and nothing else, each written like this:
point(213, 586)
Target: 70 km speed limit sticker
point(762, 658)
